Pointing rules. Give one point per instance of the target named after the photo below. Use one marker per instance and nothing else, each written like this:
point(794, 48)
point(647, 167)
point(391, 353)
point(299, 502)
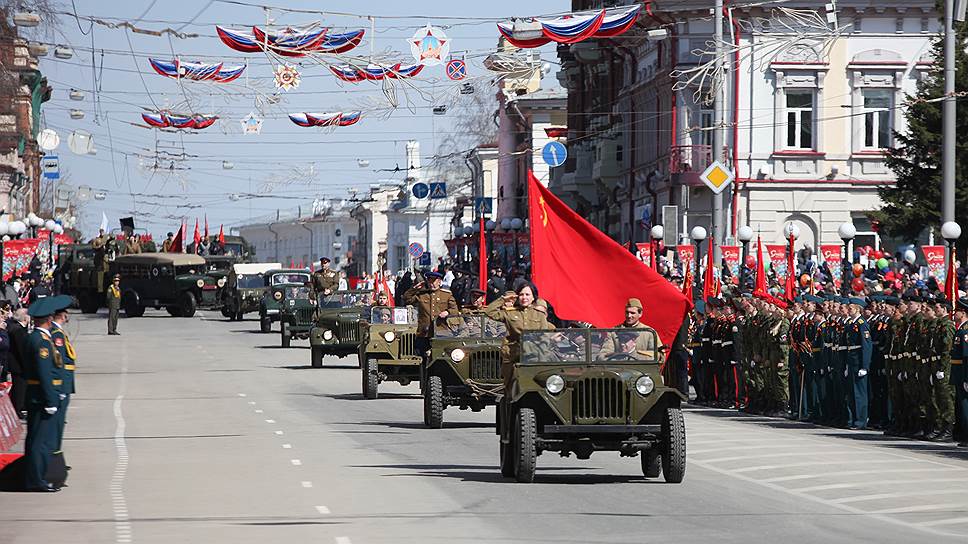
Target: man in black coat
point(17, 357)
point(496, 286)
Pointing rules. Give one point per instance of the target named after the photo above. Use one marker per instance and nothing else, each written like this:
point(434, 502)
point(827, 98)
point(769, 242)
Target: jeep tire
point(186, 304)
point(525, 455)
point(434, 403)
point(286, 338)
point(265, 323)
point(173, 311)
point(651, 463)
point(673, 446)
point(371, 379)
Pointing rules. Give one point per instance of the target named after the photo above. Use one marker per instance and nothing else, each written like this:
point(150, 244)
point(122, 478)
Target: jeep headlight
point(221, 282)
point(457, 355)
point(644, 385)
point(389, 336)
point(200, 283)
point(327, 335)
point(554, 384)
point(277, 295)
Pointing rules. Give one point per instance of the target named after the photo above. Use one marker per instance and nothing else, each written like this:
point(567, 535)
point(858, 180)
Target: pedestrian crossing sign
point(717, 177)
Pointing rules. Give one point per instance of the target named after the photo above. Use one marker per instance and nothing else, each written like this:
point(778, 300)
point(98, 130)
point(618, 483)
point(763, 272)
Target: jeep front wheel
point(651, 463)
point(132, 307)
point(371, 379)
point(673, 446)
point(525, 456)
point(434, 403)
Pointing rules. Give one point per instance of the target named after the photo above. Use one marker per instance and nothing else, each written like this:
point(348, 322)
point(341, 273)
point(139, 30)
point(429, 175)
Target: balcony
point(686, 162)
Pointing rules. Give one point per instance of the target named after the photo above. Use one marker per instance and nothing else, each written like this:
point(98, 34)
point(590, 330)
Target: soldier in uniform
point(959, 353)
point(645, 344)
point(476, 302)
point(432, 303)
point(45, 393)
point(167, 244)
point(518, 312)
point(779, 364)
point(113, 297)
point(695, 347)
point(63, 344)
point(941, 417)
point(325, 281)
point(860, 347)
point(100, 245)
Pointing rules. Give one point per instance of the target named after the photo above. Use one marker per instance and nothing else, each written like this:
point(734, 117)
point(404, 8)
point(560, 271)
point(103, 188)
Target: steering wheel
point(620, 356)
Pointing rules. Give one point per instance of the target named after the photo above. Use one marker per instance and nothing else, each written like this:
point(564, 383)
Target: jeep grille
point(407, 348)
point(304, 316)
point(348, 332)
point(599, 398)
point(485, 365)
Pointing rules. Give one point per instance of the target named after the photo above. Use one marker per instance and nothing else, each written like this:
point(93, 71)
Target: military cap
point(324, 259)
point(46, 306)
point(63, 302)
point(431, 275)
point(116, 277)
point(477, 291)
point(170, 234)
point(812, 298)
point(700, 307)
point(963, 304)
point(857, 301)
point(634, 303)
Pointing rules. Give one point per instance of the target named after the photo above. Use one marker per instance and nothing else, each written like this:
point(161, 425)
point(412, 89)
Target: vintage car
point(270, 304)
point(387, 350)
point(176, 281)
point(244, 288)
point(297, 311)
point(586, 390)
point(464, 366)
point(337, 327)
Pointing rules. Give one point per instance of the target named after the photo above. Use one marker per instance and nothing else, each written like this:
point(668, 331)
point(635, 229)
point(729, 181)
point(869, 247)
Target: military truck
point(244, 289)
point(76, 275)
point(337, 327)
point(464, 366)
point(387, 349)
point(237, 248)
point(297, 311)
point(270, 304)
point(578, 391)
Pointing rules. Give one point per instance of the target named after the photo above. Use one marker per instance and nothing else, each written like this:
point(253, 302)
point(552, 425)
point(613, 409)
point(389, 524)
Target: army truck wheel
point(434, 403)
point(317, 357)
point(227, 313)
point(173, 311)
point(673, 446)
point(265, 324)
point(371, 379)
point(286, 338)
point(132, 306)
point(186, 304)
point(238, 316)
point(525, 456)
point(88, 303)
point(651, 463)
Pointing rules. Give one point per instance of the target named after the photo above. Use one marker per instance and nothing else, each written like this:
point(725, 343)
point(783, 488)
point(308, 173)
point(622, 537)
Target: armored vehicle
point(387, 351)
point(337, 327)
point(271, 301)
point(297, 310)
point(176, 281)
point(464, 366)
point(244, 289)
point(586, 390)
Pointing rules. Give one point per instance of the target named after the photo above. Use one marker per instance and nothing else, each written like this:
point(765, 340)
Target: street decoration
point(429, 46)
point(290, 42)
point(166, 119)
point(338, 119)
point(935, 257)
point(832, 255)
point(778, 260)
point(375, 72)
point(572, 28)
point(197, 71)
point(731, 259)
point(251, 124)
point(287, 77)
point(456, 69)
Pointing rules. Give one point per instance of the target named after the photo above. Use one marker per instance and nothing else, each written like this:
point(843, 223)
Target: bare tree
point(474, 122)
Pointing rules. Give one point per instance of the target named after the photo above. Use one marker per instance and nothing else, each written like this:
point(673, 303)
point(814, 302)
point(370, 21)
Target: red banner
point(644, 252)
point(10, 428)
point(778, 260)
point(832, 254)
point(731, 257)
point(935, 257)
point(687, 258)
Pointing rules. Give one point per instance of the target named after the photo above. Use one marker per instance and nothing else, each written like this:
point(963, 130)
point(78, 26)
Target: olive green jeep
point(245, 288)
point(337, 327)
point(271, 303)
point(586, 390)
point(297, 311)
point(387, 350)
point(464, 366)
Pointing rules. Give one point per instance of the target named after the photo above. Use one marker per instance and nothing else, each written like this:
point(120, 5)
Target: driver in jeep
point(644, 344)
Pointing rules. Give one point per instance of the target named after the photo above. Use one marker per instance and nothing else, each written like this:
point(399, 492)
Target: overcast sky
point(289, 163)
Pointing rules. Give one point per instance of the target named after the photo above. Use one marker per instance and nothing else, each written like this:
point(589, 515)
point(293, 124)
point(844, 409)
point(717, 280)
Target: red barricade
point(10, 427)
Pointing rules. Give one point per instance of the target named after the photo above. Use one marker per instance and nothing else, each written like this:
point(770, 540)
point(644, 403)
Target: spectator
point(404, 285)
point(495, 285)
point(16, 329)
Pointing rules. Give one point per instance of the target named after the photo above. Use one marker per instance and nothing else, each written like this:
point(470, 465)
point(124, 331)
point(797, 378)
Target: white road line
point(343, 540)
point(847, 473)
point(813, 464)
point(322, 510)
point(879, 496)
point(949, 521)
point(258, 411)
point(786, 454)
point(295, 462)
point(251, 403)
point(307, 484)
point(921, 508)
point(242, 394)
point(287, 446)
point(774, 445)
point(278, 432)
point(270, 421)
point(122, 525)
point(878, 483)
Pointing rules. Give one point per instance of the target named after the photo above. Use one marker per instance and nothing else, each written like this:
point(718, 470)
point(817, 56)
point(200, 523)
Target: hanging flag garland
point(165, 119)
point(290, 42)
point(339, 119)
point(375, 72)
point(572, 28)
point(197, 71)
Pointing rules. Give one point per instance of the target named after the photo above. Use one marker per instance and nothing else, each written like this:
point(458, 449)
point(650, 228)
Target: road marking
point(787, 454)
point(295, 462)
point(287, 446)
point(343, 540)
point(307, 484)
point(242, 394)
point(879, 496)
point(270, 421)
point(846, 473)
point(920, 508)
point(122, 525)
point(278, 432)
point(258, 411)
point(878, 483)
point(252, 403)
point(813, 463)
point(949, 521)
point(322, 509)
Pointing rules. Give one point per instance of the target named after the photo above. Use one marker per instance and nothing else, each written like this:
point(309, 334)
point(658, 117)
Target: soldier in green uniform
point(432, 303)
point(695, 346)
point(755, 341)
point(113, 297)
point(63, 344)
point(519, 313)
point(797, 357)
point(325, 281)
point(100, 245)
point(45, 393)
point(959, 353)
point(941, 408)
point(476, 302)
point(780, 364)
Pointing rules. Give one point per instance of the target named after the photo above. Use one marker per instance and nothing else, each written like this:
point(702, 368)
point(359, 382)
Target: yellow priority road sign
point(717, 177)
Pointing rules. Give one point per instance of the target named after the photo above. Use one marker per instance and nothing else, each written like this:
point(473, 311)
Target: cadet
point(63, 344)
point(695, 348)
point(941, 409)
point(114, 305)
point(476, 302)
point(44, 394)
point(959, 352)
point(432, 303)
point(859, 350)
point(325, 281)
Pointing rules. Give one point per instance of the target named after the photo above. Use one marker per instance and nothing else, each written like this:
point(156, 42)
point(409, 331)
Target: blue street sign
point(438, 190)
point(421, 190)
point(415, 250)
point(425, 259)
point(554, 153)
point(51, 167)
point(483, 206)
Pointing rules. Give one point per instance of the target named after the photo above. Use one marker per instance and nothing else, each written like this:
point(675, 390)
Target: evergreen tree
point(914, 204)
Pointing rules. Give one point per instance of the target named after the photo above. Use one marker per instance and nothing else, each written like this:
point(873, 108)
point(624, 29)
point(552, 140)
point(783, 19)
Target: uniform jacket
point(43, 371)
point(429, 304)
point(63, 344)
point(860, 346)
point(113, 297)
point(324, 280)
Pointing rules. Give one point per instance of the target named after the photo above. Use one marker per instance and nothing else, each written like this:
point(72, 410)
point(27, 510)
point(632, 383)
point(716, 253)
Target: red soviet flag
point(589, 277)
point(198, 237)
point(221, 235)
point(177, 241)
point(709, 282)
point(482, 260)
point(206, 225)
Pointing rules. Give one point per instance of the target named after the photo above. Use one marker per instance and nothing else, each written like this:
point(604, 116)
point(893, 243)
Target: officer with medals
point(45, 393)
point(858, 363)
point(63, 344)
point(959, 379)
point(325, 281)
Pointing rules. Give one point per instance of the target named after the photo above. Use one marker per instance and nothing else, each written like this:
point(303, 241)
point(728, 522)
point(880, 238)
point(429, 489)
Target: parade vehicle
point(76, 275)
point(337, 327)
point(271, 302)
point(175, 281)
point(297, 311)
point(464, 366)
point(244, 289)
point(236, 247)
point(586, 390)
point(387, 349)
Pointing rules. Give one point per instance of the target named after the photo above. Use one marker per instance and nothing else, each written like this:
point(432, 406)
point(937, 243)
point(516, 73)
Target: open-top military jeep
point(387, 350)
point(337, 327)
point(464, 366)
point(297, 311)
point(271, 303)
point(586, 390)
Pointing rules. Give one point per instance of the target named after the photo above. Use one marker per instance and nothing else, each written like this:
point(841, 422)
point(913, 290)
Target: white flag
point(104, 222)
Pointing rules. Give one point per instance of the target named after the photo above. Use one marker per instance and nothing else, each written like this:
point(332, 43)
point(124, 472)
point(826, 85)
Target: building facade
point(329, 231)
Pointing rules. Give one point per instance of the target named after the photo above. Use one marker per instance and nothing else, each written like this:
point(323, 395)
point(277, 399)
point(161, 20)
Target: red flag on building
point(566, 251)
point(177, 242)
point(708, 280)
point(482, 264)
point(206, 225)
point(198, 237)
point(221, 235)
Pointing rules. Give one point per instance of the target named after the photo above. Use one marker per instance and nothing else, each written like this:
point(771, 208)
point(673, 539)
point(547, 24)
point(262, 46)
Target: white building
point(301, 240)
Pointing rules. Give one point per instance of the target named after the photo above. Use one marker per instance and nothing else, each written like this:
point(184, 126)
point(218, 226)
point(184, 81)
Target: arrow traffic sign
point(554, 154)
point(420, 190)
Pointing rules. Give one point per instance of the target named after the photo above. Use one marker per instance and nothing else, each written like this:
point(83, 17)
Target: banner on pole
point(778, 260)
point(934, 255)
point(644, 252)
point(687, 258)
point(831, 254)
point(731, 258)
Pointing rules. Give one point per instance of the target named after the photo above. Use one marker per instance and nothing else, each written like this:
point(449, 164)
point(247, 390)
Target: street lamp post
point(657, 233)
point(951, 231)
point(698, 234)
point(846, 231)
point(745, 234)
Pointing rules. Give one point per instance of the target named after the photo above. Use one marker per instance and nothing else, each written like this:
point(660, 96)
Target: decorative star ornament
point(251, 124)
point(287, 77)
point(430, 46)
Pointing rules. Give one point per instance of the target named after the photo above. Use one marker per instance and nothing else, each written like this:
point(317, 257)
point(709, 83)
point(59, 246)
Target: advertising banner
point(644, 252)
point(778, 260)
point(687, 258)
point(731, 258)
point(833, 256)
point(10, 427)
point(934, 255)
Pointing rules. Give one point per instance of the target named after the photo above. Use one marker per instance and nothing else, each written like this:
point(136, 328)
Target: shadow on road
point(421, 426)
point(310, 367)
point(492, 474)
point(251, 331)
point(382, 396)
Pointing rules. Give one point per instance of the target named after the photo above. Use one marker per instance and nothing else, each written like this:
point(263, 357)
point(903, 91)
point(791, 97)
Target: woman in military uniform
point(519, 313)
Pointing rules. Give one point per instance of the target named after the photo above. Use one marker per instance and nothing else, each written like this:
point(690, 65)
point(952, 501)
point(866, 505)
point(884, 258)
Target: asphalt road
point(205, 431)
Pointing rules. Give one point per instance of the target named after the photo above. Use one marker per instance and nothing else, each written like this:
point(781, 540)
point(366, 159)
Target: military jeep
point(245, 288)
point(464, 366)
point(337, 327)
point(271, 301)
point(387, 348)
point(586, 390)
point(297, 311)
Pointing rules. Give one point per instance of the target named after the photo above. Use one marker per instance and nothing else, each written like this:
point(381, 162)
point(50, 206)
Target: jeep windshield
point(343, 299)
point(250, 282)
point(469, 326)
point(385, 315)
point(218, 266)
point(281, 279)
point(296, 292)
point(588, 346)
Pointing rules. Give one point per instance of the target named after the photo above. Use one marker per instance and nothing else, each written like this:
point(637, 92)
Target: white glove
point(861, 373)
point(51, 410)
point(900, 376)
point(62, 396)
point(965, 387)
point(939, 374)
point(846, 372)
